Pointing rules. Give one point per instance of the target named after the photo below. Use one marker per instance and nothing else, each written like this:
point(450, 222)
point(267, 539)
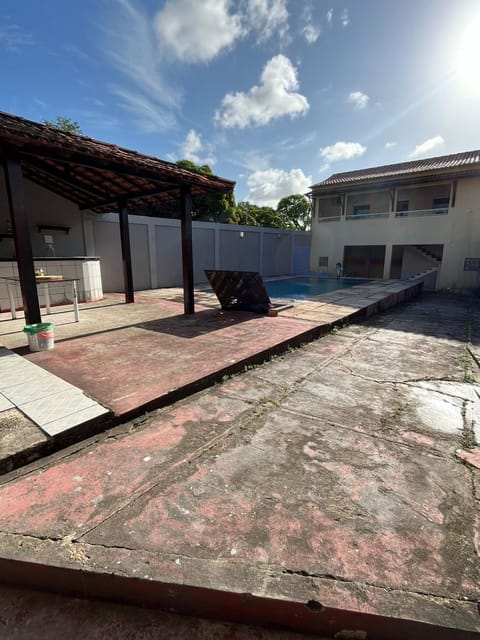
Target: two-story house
point(401, 220)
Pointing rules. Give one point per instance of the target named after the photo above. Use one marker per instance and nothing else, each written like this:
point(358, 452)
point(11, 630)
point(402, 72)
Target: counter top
point(53, 259)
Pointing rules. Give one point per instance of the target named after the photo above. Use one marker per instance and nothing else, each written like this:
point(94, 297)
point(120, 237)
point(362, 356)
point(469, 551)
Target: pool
point(303, 288)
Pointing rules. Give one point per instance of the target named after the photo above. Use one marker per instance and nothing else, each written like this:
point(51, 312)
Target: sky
point(274, 94)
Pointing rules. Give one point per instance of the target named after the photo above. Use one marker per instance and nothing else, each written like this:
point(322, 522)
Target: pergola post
point(126, 252)
point(187, 249)
point(21, 235)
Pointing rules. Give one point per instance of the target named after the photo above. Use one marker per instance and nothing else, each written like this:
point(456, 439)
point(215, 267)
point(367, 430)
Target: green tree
point(254, 216)
point(210, 207)
point(64, 124)
point(295, 212)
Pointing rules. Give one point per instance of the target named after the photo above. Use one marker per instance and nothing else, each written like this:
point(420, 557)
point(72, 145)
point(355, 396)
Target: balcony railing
point(328, 218)
point(393, 214)
point(421, 212)
point(366, 216)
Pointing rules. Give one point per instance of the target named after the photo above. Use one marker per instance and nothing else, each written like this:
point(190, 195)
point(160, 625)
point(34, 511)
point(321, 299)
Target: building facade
point(419, 218)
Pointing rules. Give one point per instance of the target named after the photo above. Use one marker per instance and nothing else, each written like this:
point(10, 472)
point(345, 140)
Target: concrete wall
point(458, 232)
point(156, 250)
point(44, 208)
point(155, 243)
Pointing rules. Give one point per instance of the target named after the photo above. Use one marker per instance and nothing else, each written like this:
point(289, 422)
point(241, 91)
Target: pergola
point(97, 176)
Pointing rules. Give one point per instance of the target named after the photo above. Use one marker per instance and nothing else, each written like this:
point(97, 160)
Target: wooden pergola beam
point(49, 171)
point(187, 250)
point(21, 235)
point(126, 251)
point(131, 196)
point(127, 168)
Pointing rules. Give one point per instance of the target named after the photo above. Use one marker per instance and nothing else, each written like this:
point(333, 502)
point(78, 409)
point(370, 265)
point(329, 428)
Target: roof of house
point(468, 160)
point(95, 174)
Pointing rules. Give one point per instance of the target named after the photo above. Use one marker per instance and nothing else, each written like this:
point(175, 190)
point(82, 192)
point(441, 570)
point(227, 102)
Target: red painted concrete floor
point(318, 492)
point(129, 356)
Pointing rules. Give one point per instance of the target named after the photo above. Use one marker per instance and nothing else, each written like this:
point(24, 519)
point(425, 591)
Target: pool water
point(305, 287)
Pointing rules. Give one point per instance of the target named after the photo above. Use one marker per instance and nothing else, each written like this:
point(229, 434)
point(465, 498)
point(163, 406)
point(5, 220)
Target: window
point(359, 209)
point(440, 203)
point(402, 206)
point(323, 261)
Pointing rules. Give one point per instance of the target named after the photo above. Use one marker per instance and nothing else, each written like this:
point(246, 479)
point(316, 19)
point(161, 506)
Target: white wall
point(44, 208)
point(157, 257)
point(155, 242)
point(458, 232)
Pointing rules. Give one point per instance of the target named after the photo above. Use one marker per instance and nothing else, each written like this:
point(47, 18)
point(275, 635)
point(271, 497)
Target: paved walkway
point(325, 484)
point(123, 360)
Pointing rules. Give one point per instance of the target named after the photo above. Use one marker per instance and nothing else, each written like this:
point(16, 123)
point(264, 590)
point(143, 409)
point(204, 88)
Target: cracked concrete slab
point(327, 476)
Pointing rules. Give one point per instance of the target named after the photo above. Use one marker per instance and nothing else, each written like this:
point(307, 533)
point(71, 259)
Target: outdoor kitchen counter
point(85, 269)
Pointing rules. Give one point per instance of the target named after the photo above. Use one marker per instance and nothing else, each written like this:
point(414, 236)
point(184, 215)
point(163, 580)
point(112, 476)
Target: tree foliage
point(64, 124)
point(295, 212)
point(210, 207)
point(254, 216)
point(292, 212)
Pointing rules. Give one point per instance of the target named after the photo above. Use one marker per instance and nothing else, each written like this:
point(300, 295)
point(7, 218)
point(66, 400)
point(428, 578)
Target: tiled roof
point(448, 164)
point(85, 170)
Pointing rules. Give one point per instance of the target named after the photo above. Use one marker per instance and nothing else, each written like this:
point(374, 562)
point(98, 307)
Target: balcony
point(387, 215)
point(366, 216)
point(421, 212)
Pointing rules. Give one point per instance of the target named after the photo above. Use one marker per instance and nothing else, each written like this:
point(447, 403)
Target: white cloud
point(311, 33)
point(342, 151)
point(427, 146)
point(13, 39)
point(267, 187)
point(274, 97)
point(389, 145)
point(194, 31)
point(329, 16)
point(195, 150)
point(344, 18)
point(132, 47)
point(267, 17)
point(358, 99)
point(149, 114)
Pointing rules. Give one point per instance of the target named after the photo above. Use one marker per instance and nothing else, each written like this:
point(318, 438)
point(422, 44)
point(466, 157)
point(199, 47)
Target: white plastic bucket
point(40, 336)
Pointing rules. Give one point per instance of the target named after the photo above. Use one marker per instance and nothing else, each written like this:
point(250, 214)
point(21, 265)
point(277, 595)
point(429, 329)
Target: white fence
point(157, 257)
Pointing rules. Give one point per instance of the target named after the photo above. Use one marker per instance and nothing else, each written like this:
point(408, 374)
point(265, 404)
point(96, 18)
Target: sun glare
point(468, 55)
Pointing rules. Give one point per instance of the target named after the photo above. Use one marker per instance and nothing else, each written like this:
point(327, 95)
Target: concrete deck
point(122, 360)
point(320, 492)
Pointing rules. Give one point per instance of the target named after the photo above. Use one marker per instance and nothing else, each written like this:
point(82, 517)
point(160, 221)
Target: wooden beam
point(68, 180)
point(126, 252)
point(187, 250)
point(21, 235)
point(131, 196)
point(130, 166)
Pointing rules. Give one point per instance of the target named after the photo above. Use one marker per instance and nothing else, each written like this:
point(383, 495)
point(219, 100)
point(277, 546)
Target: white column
point(216, 244)
point(260, 267)
point(388, 261)
point(152, 253)
point(292, 250)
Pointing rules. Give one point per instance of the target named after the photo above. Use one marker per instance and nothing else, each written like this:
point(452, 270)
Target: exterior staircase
point(428, 255)
point(422, 274)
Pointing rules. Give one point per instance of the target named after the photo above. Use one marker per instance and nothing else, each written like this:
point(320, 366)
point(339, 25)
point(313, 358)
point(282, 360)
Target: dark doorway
point(365, 261)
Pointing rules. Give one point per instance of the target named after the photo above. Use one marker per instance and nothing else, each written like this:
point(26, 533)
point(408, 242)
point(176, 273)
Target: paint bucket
point(40, 336)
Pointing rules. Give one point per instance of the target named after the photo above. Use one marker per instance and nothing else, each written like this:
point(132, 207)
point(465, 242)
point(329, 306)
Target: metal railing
point(328, 218)
point(421, 212)
point(366, 216)
point(416, 213)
